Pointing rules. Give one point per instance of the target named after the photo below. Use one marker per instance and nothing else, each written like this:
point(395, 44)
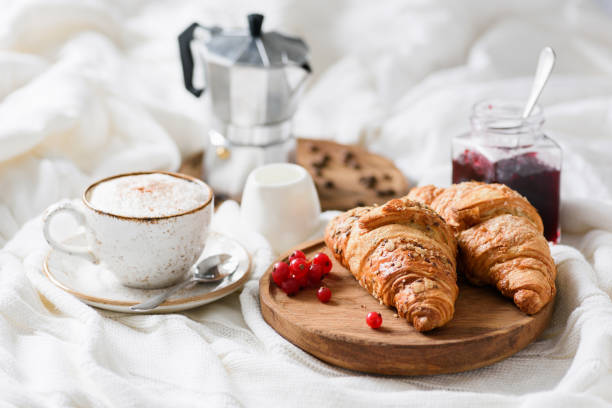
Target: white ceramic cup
point(281, 203)
point(147, 252)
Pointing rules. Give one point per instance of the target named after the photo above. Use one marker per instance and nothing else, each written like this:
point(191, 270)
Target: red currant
point(299, 271)
point(299, 267)
point(280, 272)
point(315, 274)
point(324, 261)
point(324, 294)
point(374, 320)
point(297, 255)
point(290, 286)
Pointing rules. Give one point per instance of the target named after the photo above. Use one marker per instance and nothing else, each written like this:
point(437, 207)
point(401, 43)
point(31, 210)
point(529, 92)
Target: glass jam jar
point(503, 148)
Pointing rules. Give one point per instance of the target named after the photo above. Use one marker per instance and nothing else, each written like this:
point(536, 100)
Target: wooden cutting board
point(486, 327)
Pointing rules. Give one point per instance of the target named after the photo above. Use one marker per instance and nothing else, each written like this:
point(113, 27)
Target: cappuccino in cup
point(147, 228)
point(147, 195)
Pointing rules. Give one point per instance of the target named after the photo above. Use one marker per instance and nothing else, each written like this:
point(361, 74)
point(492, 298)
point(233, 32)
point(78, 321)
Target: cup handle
point(70, 208)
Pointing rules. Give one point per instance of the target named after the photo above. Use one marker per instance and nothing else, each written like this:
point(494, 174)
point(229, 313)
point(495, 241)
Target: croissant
point(500, 237)
point(404, 254)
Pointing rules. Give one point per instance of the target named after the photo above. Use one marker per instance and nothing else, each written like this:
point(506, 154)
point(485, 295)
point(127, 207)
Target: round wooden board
point(486, 327)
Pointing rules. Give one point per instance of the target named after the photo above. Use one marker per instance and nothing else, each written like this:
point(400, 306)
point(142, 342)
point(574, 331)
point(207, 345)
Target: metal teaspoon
point(208, 270)
point(546, 62)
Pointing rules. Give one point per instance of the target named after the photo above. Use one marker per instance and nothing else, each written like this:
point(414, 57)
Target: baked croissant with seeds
point(500, 237)
point(404, 254)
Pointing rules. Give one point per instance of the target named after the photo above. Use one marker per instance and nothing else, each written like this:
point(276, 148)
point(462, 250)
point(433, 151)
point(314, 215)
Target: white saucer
point(97, 286)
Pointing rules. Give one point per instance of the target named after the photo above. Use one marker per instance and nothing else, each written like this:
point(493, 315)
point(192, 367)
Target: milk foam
point(147, 195)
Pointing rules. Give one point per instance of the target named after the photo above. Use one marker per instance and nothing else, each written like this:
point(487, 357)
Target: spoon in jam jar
point(546, 62)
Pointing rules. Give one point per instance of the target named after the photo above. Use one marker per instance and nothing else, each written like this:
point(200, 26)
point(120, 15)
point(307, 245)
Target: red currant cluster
point(299, 273)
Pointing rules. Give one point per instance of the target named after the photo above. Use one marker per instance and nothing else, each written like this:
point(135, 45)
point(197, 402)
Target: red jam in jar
point(502, 148)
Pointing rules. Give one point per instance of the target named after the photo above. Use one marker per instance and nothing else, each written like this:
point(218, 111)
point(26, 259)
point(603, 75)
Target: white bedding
point(91, 88)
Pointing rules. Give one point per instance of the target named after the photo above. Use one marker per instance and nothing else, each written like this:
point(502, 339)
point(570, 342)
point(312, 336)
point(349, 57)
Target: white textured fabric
point(90, 88)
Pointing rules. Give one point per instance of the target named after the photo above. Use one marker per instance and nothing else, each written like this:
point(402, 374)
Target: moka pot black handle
point(184, 40)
